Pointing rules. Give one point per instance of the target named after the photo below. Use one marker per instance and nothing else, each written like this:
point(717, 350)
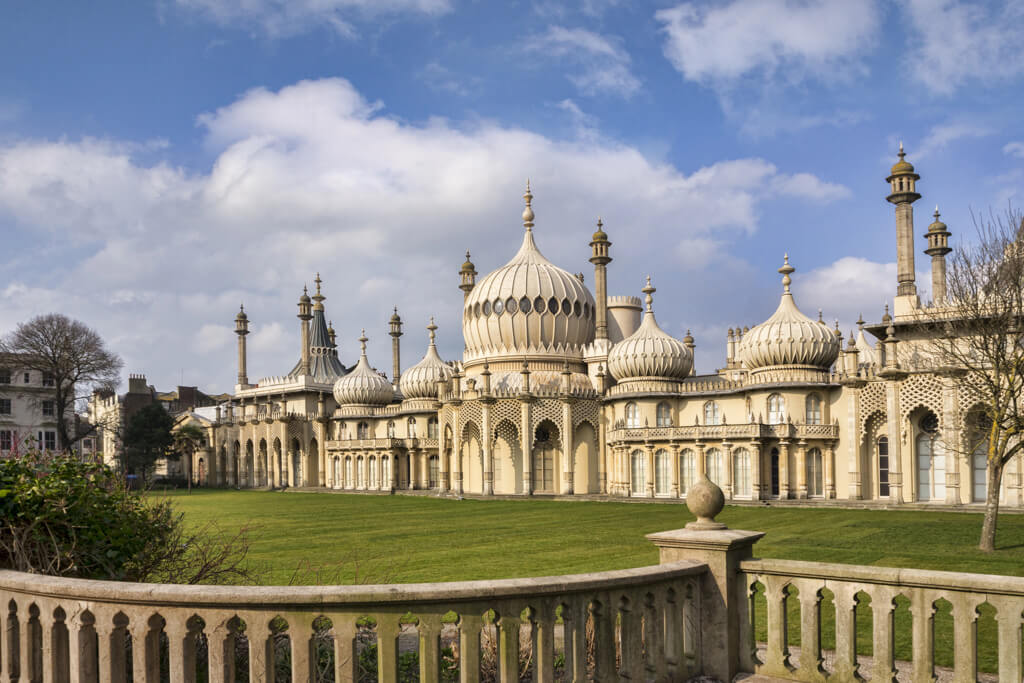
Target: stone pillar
point(853, 448)
point(603, 454)
point(801, 469)
point(892, 400)
point(568, 456)
point(950, 426)
point(830, 470)
point(488, 451)
point(728, 473)
point(321, 443)
point(702, 465)
point(442, 467)
point(756, 462)
point(784, 491)
point(649, 451)
point(674, 490)
point(526, 435)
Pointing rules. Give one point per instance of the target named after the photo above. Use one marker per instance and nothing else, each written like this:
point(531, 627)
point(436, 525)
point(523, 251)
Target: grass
point(420, 538)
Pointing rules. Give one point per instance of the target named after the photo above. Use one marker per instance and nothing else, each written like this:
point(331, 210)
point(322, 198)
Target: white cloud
point(719, 43)
point(602, 65)
point(941, 135)
point(1014, 149)
point(316, 178)
point(442, 79)
point(280, 18)
point(957, 42)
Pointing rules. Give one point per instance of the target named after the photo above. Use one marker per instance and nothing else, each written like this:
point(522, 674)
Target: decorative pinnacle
point(431, 327)
point(648, 290)
point(362, 342)
point(528, 211)
point(820, 318)
point(786, 269)
point(860, 321)
point(901, 152)
point(936, 214)
point(599, 223)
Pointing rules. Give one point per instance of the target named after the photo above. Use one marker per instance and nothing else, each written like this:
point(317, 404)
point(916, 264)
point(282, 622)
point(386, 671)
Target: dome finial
point(786, 269)
point(649, 290)
point(936, 214)
point(901, 152)
point(820, 320)
point(528, 211)
point(362, 342)
point(432, 327)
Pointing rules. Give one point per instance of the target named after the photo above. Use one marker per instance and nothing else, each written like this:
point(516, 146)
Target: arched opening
point(361, 472)
point(311, 470)
point(664, 414)
point(546, 446)
point(336, 473)
point(391, 429)
point(373, 473)
point(813, 412)
point(363, 430)
point(507, 459)
point(349, 474)
point(585, 457)
point(433, 472)
point(263, 464)
point(662, 472)
point(411, 427)
point(714, 465)
point(385, 473)
point(638, 473)
point(979, 427)
point(432, 428)
point(931, 459)
point(687, 470)
point(815, 473)
point(776, 409)
point(712, 415)
point(295, 472)
point(882, 460)
point(632, 415)
point(472, 459)
point(741, 472)
point(277, 464)
point(775, 472)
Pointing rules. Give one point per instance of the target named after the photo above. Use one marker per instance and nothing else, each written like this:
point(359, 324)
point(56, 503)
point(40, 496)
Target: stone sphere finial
point(705, 500)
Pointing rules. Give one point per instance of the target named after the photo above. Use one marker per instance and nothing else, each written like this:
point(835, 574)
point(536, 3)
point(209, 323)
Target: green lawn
point(421, 538)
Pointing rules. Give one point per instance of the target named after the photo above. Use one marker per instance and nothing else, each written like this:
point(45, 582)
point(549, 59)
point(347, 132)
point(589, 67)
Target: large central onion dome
point(650, 353)
point(789, 338)
point(363, 386)
point(420, 381)
point(528, 307)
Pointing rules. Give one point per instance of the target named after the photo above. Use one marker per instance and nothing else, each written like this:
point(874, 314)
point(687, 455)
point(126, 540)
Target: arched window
point(931, 461)
point(662, 472)
point(815, 473)
point(741, 472)
point(711, 416)
point(776, 409)
point(343, 431)
point(361, 473)
point(664, 415)
point(713, 464)
point(363, 431)
point(687, 470)
point(385, 472)
point(412, 427)
point(391, 429)
point(813, 409)
point(374, 481)
point(883, 466)
point(349, 480)
point(632, 415)
point(638, 472)
point(433, 473)
point(432, 428)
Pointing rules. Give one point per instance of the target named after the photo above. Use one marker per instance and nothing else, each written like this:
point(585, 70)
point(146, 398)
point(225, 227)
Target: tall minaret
point(599, 257)
point(395, 325)
point(902, 182)
point(305, 315)
point(938, 247)
point(467, 276)
point(242, 329)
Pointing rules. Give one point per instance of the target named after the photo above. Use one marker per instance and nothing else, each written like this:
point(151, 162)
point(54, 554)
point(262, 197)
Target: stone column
point(568, 459)
point(830, 469)
point(950, 426)
point(892, 400)
point(727, 488)
point(212, 466)
point(526, 435)
point(853, 449)
point(321, 443)
point(488, 452)
point(702, 466)
point(674, 490)
point(603, 453)
point(801, 469)
point(756, 462)
point(649, 449)
point(784, 469)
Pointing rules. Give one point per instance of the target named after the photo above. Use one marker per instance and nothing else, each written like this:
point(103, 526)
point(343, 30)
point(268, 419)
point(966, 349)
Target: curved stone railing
point(635, 623)
point(849, 584)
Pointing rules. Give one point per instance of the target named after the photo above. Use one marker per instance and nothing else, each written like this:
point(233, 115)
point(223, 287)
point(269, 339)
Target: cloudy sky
point(163, 160)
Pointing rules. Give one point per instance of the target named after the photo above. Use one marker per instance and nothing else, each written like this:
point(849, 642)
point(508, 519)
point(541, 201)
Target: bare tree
point(73, 356)
point(977, 335)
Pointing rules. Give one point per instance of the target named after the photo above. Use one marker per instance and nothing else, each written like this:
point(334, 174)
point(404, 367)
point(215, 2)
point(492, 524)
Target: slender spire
point(860, 321)
point(786, 269)
point(528, 211)
point(362, 342)
point(318, 297)
point(820, 319)
point(432, 327)
point(649, 290)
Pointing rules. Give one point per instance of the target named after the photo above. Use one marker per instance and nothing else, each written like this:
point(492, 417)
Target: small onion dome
point(420, 381)
point(600, 235)
point(688, 339)
point(650, 352)
point(468, 265)
point(241, 314)
point(363, 386)
point(304, 299)
point(937, 225)
point(395, 317)
point(789, 337)
point(902, 167)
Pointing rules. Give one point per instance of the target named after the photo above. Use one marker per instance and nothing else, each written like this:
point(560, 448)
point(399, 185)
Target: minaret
point(599, 257)
point(902, 181)
point(305, 315)
point(938, 247)
point(318, 298)
point(242, 329)
point(468, 276)
point(689, 343)
point(395, 331)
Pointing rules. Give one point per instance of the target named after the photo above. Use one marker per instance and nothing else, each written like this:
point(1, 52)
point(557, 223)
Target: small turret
point(242, 329)
point(395, 331)
point(938, 247)
point(600, 257)
point(903, 183)
point(305, 315)
point(468, 277)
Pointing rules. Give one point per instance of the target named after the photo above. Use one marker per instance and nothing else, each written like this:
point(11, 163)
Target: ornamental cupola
point(364, 386)
point(420, 381)
point(649, 353)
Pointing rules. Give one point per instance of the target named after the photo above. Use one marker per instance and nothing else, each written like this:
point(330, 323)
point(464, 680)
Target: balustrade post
point(181, 649)
point(387, 648)
point(883, 612)
point(603, 614)
point(220, 648)
point(112, 652)
point(9, 643)
point(965, 637)
point(811, 663)
point(1008, 611)
point(469, 647)
point(675, 486)
point(84, 666)
point(261, 649)
point(776, 661)
point(508, 647)
point(631, 665)
point(145, 659)
point(429, 628)
point(345, 659)
point(672, 636)
point(655, 661)
point(845, 667)
point(25, 643)
point(574, 620)
point(544, 642)
point(922, 610)
point(300, 635)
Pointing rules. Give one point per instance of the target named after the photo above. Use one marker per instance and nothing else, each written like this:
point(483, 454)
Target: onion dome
point(304, 299)
point(649, 353)
point(902, 167)
point(600, 235)
point(937, 225)
point(788, 337)
point(467, 264)
point(528, 307)
point(363, 386)
point(420, 381)
point(241, 314)
point(688, 339)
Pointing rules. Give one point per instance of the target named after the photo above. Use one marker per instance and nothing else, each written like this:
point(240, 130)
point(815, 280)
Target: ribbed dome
point(789, 337)
point(650, 352)
point(529, 306)
point(363, 386)
point(420, 381)
point(902, 167)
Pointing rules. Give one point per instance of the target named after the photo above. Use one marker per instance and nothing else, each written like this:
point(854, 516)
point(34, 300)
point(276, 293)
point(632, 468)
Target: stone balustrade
point(880, 586)
point(725, 432)
point(630, 622)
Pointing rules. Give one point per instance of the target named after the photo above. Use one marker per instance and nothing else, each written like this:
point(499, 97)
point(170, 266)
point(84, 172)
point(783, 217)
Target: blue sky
point(162, 161)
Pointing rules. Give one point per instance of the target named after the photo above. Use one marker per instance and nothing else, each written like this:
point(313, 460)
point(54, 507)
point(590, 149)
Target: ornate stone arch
point(921, 391)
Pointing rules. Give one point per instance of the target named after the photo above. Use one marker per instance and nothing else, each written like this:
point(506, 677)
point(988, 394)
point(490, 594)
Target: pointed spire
point(362, 342)
point(528, 211)
point(901, 152)
point(649, 290)
point(820, 320)
point(432, 328)
point(786, 269)
point(860, 321)
point(318, 297)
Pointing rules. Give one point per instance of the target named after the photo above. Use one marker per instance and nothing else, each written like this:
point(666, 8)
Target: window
point(391, 429)
point(343, 431)
point(6, 440)
point(433, 472)
point(412, 427)
point(374, 482)
point(687, 471)
point(662, 475)
point(48, 380)
point(776, 410)
point(883, 466)
point(741, 472)
point(432, 428)
point(5, 406)
point(361, 473)
point(815, 475)
point(49, 409)
point(48, 440)
point(362, 431)
point(711, 416)
point(713, 463)
point(638, 470)
point(28, 378)
point(931, 461)
point(664, 416)
point(813, 409)
point(5, 376)
point(348, 473)
point(632, 415)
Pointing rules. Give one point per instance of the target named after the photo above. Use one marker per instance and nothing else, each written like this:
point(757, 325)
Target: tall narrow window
point(412, 427)
point(931, 461)
point(713, 464)
point(687, 470)
point(5, 376)
point(385, 472)
point(391, 429)
point(632, 415)
point(5, 406)
point(49, 408)
point(711, 416)
point(776, 409)
point(664, 415)
point(815, 475)
point(883, 466)
point(434, 471)
point(741, 472)
point(432, 428)
point(6, 440)
point(813, 409)
point(662, 472)
point(638, 470)
point(363, 431)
